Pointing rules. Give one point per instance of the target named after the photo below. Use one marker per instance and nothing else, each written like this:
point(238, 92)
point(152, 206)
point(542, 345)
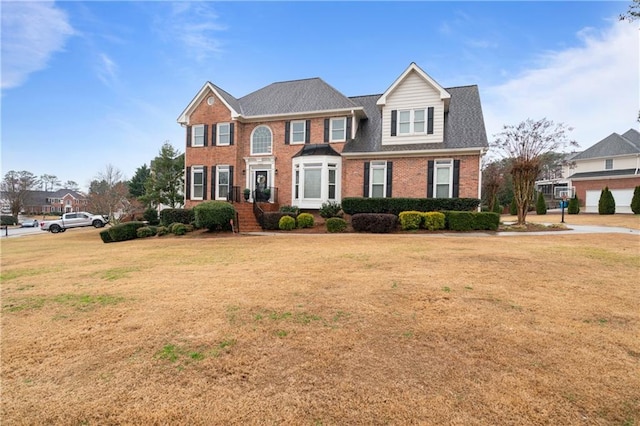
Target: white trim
point(444, 95)
point(413, 153)
point(303, 114)
point(378, 165)
point(218, 134)
point(195, 169)
point(344, 129)
point(222, 168)
point(193, 135)
point(449, 165)
point(304, 132)
point(185, 116)
point(323, 163)
point(251, 141)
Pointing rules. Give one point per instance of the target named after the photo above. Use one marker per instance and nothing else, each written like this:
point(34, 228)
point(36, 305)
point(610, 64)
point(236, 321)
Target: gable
point(202, 96)
point(613, 145)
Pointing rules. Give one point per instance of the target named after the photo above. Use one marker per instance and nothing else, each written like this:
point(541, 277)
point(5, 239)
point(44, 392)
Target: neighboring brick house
point(612, 162)
point(62, 200)
point(310, 144)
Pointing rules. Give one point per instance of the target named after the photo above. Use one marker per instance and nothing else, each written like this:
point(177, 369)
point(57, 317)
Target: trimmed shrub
point(145, 232)
point(541, 204)
point(179, 229)
point(433, 221)
point(606, 204)
point(410, 221)
point(305, 220)
point(271, 220)
point(125, 231)
point(151, 216)
point(292, 210)
point(336, 224)
point(355, 205)
point(513, 207)
point(497, 208)
point(460, 221)
point(169, 216)
point(488, 221)
point(472, 221)
point(330, 209)
point(8, 220)
point(635, 201)
point(286, 223)
point(214, 215)
point(105, 236)
point(378, 223)
point(162, 230)
point(574, 205)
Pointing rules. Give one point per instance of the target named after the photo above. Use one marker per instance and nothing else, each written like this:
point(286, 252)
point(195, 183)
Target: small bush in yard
point(9, 220)
point(574, 205)
point(606, 204)
point(179, 229)
point(104, 235)
point(214, 215)
point(305, 220)
point(286, 223)
point(330, 209)
point(541, 204)
point(378, 223)
point(410, 220)
point(162, 230)
point(293, 210)
point(151, 216)
point(125, 231)
point(433, 221)
point(336, 224)
point(145, 232)
point(169, 216)
point(635, 200)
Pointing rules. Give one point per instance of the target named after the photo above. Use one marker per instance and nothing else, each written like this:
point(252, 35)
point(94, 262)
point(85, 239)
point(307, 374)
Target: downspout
point(637, 163)
point(482, 153)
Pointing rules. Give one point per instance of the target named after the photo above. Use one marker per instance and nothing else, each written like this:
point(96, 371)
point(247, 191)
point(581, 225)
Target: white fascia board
point(444, 95)
point(184, 117)
point(613, 177)
point(359, 111)
point(414, 153)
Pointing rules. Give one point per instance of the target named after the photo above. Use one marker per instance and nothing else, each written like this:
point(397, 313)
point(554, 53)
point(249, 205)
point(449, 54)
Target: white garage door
point(622, 196)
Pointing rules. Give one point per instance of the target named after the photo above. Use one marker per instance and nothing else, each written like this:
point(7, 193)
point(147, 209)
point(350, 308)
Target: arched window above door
point(261, 140)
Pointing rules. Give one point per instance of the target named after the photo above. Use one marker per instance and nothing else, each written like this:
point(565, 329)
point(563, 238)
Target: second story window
point(298, 131)
point(197, 135)
point(608, 164)
point(338, 129)
point(261, 140)
point(224, 133)
point(412, 121)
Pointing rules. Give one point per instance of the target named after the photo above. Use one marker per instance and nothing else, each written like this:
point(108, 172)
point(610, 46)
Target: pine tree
point(541, 204)
point(574, 205)
point(606, 204)
point(635, 201)
point(513, 207)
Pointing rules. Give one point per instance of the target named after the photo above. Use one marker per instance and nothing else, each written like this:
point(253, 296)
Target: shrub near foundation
point(472, 221)
point(125, 231)
point(305, 220)
point(214, 215)
point(433, 221)
point(286, 223)
point(336, 224)
point(377, 223)
point(411, 220)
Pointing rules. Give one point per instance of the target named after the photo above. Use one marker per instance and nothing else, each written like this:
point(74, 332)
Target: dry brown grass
point(321, 329)
point(618, 220)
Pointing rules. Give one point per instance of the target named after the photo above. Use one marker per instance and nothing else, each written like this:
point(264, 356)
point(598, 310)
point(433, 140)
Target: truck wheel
point(54, 229)
point(98, 223)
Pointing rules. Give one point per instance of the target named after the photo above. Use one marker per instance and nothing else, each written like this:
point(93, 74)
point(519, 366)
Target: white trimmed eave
point(444, 95)
point(183, 119)
point(357, 112)
point(414, 153)
point(606, 157)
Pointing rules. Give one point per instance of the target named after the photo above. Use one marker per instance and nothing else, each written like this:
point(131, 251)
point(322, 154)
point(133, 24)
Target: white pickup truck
point(73, 220)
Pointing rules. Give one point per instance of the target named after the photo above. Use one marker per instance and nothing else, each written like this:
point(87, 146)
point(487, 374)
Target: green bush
point(214, 215)
point(635, 201)
point(169, 216)
point(355, 205)
point(125, 231)
point(433, 221)
point(151, 216)
point(330, 209)
point(271, 220)
point(292, 210)
point(497, 208)
point(286, 223)
point(411, 220)
point(305, 220)
point(179, 229)
point(105, 236)
point(8, 220)
point(472, 221)
point(513, 207)
point(541, 204)
point(145, 232)
point(606, 204)
point(162, 230)
point(379, 223)
point(336, 224)
point(574, 205)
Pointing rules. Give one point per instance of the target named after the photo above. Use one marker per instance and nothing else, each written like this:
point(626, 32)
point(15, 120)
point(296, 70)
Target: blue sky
point(87, 84)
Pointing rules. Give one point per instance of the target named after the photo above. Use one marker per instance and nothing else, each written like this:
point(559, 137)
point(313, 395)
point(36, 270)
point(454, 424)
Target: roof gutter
point(415, 153)
point(303, 114)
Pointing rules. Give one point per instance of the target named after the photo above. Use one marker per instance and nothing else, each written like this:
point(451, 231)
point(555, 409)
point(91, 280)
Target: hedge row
point(214, 215)
point(132, 230)
point(451, 220)
point(355, 205)
point(169, 216)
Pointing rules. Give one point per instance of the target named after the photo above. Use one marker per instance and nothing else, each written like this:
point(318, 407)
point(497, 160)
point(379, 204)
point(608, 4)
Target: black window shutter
point(365, 186)
point(206, 130)
point(326, 130)
point(204, 183)
point(456, 179)
point(231, 132)
point(188, 185)
point(214, 135)
point(213, 182)
point(430, 179)
point(389, 178)
point(348, 133)
point(188, 136)
point(230, 196)
point(430, 120)
point(287, 130)
point(307, 131)
point(394, 121)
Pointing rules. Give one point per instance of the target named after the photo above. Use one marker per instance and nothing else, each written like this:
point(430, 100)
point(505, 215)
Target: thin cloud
point(107, 70)
point(593, 88)
point(31, 33)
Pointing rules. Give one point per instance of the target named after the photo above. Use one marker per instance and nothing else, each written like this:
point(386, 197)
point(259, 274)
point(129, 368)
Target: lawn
point(321, 329)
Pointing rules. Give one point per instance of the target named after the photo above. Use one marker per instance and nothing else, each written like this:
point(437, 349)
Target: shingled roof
point(613, 145)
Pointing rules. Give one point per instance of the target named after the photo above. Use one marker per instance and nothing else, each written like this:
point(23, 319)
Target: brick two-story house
point(310, 144)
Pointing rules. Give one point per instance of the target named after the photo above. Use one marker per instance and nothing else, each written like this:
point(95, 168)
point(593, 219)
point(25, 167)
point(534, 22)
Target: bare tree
point(108, 192)
point(526, 145)
point(49, 182)
point(72, 185)
point(16, 187)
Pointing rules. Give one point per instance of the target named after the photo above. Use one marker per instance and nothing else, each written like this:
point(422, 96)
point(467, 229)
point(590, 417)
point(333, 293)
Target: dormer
point(413, 109)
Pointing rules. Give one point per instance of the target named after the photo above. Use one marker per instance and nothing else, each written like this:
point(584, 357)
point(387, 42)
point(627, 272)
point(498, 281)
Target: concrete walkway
point(578, 229)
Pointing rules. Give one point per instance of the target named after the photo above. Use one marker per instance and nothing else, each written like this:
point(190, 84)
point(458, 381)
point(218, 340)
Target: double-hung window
point(224, 133)
point(197, 182)
point(411, 121)
point(338, 129)
point(312, 180)
point(223, 183)
point(197, 135)
point(378, 179)
point(298, 129)
point(332, 181)
point(608, 164)
point(443, 178)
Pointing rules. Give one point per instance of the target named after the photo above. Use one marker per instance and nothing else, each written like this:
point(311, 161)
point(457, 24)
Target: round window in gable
point(211, 100)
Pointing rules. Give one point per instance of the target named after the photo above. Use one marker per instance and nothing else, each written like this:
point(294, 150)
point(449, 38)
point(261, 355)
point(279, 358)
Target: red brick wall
point(583, 186)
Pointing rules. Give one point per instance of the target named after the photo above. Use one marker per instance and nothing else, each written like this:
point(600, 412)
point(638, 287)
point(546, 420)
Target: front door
point(261, 185)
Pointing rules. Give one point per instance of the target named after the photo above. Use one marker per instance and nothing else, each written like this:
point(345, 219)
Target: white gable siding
point(597, 165)
point(413, 93)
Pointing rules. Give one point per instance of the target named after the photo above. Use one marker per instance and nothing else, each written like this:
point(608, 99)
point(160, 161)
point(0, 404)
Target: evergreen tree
point(574, 205)
point(513, 207)
point(635, 201)
point(166, 183)
point(541, 204)
point(606, 204)
point(138, 181)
